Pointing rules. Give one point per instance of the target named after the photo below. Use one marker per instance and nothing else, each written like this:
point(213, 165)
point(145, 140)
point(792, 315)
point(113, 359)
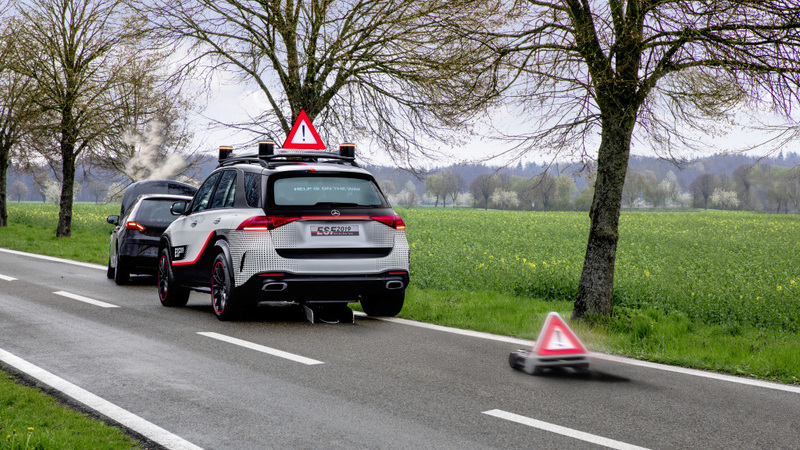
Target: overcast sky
point(231, 102)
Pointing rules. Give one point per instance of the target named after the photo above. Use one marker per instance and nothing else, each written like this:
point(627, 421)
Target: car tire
point(122, 273)
point(110, 270)
point(169, 293)
point(226, 304)
point(388, 304)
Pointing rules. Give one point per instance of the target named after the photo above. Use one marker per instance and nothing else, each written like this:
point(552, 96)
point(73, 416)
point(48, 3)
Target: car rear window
point(315, 190)
point(155, 211)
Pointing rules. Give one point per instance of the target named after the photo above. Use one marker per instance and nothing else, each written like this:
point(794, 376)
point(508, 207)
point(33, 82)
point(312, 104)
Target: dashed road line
point(6, 278)
point(564, 431)
point(122, 416)
point(88, 300)
point(261, 348)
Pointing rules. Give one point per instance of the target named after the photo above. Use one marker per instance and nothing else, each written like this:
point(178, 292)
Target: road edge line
point(54, 259)
point(604, 356)
point(96, 403)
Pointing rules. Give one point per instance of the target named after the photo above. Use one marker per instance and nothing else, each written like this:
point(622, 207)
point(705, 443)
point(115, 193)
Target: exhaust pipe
point(274, 287)
point(394, 285)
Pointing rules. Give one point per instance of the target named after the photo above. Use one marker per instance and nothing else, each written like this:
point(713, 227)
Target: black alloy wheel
point(223, 300)
point(169, 293)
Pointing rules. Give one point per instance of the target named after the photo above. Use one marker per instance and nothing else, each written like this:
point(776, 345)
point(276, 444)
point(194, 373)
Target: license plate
point(334, 230)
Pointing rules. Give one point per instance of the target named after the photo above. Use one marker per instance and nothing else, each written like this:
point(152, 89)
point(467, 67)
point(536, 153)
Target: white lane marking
point(54, 259)
point(614, 358)
point(6, 278)
point(88, 300)
point(261, 348)
point(102, 406)
point(564, 431)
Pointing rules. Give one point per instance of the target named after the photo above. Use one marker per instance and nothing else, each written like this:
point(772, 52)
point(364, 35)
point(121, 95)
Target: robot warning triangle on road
point(557, 346)
point(303, 135)
point(556, 338)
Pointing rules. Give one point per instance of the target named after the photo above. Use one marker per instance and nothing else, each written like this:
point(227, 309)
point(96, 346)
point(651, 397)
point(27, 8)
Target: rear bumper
point(323, 288)
point(140, 255)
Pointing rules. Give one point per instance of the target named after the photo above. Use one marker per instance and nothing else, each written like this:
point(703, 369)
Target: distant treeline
point(770, 184)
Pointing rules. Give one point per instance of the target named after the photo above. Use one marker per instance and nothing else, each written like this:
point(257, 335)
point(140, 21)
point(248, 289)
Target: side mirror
point(113, 220)
point(178, 208)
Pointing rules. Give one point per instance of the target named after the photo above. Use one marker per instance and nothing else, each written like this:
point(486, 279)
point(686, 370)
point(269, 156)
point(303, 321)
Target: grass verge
point(31, 420)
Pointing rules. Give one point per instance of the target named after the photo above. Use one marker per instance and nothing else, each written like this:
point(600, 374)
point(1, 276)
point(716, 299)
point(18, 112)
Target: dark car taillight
point(134, 226)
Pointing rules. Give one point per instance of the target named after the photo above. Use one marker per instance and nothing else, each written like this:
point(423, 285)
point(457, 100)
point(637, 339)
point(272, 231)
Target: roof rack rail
point(289, 158)
point(267, 157)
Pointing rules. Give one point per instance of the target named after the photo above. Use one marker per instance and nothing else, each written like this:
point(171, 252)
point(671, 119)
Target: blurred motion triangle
point(556, 338)
point(303, 135)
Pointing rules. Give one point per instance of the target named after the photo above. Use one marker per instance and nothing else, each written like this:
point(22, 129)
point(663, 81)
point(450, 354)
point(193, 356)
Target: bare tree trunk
point(68, 134)
point(65, 205)
point(4, 151)
point(597, 278)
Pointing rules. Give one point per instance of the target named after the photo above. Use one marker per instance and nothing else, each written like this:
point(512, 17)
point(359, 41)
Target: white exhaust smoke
point(148, 162)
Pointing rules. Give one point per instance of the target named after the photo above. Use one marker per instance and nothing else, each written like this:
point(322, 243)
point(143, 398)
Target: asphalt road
point(278, 381)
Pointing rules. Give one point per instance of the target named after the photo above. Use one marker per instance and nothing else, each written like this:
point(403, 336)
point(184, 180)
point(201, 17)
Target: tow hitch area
point(328, 313)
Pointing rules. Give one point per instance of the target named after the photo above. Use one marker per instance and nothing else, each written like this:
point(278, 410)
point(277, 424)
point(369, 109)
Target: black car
point(133, 191)
point(135, 239)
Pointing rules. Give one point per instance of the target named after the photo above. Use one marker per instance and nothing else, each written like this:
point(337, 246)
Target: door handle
point(216, 221)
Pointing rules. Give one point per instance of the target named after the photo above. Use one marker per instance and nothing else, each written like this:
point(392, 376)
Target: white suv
point(309, 228)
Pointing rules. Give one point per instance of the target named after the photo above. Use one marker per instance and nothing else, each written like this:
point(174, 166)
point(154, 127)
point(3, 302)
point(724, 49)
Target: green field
point(720, 268)
point(712, 290)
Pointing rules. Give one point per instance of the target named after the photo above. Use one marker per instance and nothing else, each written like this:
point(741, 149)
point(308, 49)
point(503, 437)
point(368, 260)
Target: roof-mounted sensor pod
point(265, 149)
point(347, 150)
point(225, 152)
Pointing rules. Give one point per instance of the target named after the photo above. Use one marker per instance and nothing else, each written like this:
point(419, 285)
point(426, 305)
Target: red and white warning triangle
point(303, 135)
point(557, 339)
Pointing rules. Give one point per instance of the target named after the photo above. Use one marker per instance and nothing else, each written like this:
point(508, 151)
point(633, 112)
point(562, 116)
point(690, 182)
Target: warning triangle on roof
point(303, 135)
point(556, 339)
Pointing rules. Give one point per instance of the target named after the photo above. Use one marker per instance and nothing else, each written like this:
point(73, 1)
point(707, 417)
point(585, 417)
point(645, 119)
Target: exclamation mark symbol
point(304, 132)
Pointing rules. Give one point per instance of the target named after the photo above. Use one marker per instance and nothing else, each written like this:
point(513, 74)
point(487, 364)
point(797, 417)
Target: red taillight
point(264, 223)
point(134, 226)
point(391, 221)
